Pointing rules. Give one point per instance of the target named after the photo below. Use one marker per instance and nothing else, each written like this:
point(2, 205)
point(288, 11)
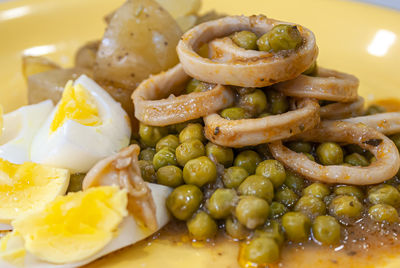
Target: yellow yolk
point(76, 104)
point(74, 227)
point(28, 187)
point(1, 120)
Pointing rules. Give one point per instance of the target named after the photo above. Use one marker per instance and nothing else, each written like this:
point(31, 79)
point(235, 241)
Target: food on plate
point(241, 67)
point(32, 186)
point(161, 99)
point(85, 126)
point(241, 136)
point(121, 60)
point(33, 65)
point(19, 129)
point(49, 85)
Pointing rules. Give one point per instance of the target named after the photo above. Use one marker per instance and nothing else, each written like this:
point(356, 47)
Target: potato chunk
point(85, 57)
point(140, 40)
point(50, 84)
point(32, 65)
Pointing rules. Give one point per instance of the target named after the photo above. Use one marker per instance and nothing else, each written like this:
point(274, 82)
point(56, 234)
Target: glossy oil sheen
point(344, 31)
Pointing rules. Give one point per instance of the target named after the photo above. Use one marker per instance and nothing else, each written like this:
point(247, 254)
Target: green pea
point(383, 212)
point(317, 189)
point(150, 135)
point(245, 39)
point(252, 211)
point(200, 171)
point(296, 226)
point(202, 226)
point(299, 146)
point(311, 206)
point(396, 139)
point(147, 170)
point(310, 156)
point(147, 154)
point(263, 43)
point(164, 157)
point(191, 132)
point(284, 37)
point(170, 176)
point(222, 155)
point(195, 85)
point(272, 170)
point(234, 176)
point(384, 194)
point(375, 109)
point(170, 141)
point(184, 201)
point(326, 230)
point(245, 90)
point(255, 103)
point(189, 150)
point(312, 70)
point(234, 113)
point(356, 159)
point(75, 182)
point(177, 128)
point(273, 230)
point(221, 203)
point(286, 196)
point(258, 186)
point(277, 210)
point(346, 207)
point(261, 251)
point(294, 181)
point(248, 160)
point(330, 153)
point(349, 190)
point(278, 103)
point(235, 229)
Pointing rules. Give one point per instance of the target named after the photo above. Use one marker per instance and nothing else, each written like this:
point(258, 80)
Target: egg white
point(129, 233)
point(78, 147)
point(20, 128)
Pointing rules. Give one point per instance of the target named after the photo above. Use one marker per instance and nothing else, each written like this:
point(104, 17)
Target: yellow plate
point(352, 37)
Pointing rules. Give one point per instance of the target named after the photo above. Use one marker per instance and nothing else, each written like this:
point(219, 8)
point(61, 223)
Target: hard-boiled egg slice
point(27, 188)
point(86, 126)
point(77, 229)
point(19, 129)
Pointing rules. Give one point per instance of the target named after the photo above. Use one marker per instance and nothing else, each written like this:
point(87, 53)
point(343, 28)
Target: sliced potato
point(179, 8)
point(50, 84)
point(85, 57)
point(186, 22)
point(32, 65)
point(140, 40)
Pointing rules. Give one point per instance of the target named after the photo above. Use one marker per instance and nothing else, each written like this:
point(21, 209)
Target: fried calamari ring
point(247, 132)
point(386, 123)
point(156, 105)
point(263, 70)
point(122, 169)
point(328, 85)
point(385, 151)
point(342, 110)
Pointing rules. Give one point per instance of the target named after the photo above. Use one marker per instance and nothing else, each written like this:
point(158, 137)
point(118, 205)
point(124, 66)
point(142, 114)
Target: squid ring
point(156, 105)
point(341, 110)
point(247, 132)
point(263, 70)
point(386, 123)
point(327, 85)
point(385, 151)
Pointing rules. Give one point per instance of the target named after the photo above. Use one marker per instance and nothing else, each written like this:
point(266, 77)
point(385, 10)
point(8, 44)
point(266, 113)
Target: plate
point(356, 38)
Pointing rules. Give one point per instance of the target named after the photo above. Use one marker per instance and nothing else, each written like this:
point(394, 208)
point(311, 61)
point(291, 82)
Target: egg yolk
point(74, 227)
point(78, 105)
point(28, 187)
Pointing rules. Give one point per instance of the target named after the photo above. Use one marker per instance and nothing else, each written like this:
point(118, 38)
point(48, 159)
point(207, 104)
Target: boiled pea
point(222, 155)
point(258, 186)
point(252, 211)
point(184, 201)
point(189, 150)
point(200, 171)
point(192, 131)
point(170, 176)
point(248, 160)
point(234, 176)
point(221, 203)
point(296, 226)
point(326, 230)
point(202, 226)
point(272, 170)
